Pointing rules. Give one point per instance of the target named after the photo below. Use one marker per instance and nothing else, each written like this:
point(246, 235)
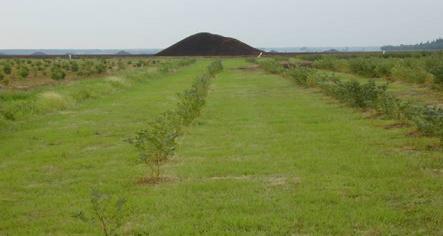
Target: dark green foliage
point(437, 71)
point(301, 75)
point(327, 63)
point(412, 67)
point(368, 67)
point(157, 141)
point(428, 119)
point(100, 68)
point(57, 73)
point(272, 66)
point(215, 68)
point(74, 66)
point(311, 57)
point(356, 94)
point(433, 45)
point(7, 69)
point(23, 72)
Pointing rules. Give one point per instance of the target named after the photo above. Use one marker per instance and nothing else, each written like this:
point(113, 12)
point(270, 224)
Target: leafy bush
point(23, 72)
point(74, 66)
point(272, 66)
point(428, 119)
point(356, 94)
point(437, 71)
point(7, 69)
point(363, 66)
point(106, 212)
point(410, 73)
point(157, 142)
point(57, 73)
point(329, 63)
point(301, 75)
point(215, 68)
point(100, 68)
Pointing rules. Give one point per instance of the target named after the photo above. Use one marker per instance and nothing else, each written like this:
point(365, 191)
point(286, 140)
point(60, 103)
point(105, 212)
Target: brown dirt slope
point(206, 44)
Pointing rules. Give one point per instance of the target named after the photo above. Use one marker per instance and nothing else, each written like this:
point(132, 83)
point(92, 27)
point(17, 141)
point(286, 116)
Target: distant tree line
point(433, 45)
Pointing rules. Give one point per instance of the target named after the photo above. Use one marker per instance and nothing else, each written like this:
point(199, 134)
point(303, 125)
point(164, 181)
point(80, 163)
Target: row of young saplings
point(108, 211)
point(422, 68)
point(427, 119)
point(59, 68)
point(157, 141)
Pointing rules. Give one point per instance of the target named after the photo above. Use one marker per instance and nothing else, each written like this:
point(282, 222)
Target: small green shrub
point(74, 67)
point(410, 73)
point(7, 69)
point(301, 76)
point(157, 142)
point(363, 66)
point(428, 119)
point(271, 66)
point(215, 68)
point(356, 94)
point(106, 212)
point(57, 73)
point(23, 72)
point(327, 63)
point(437, 71)
point(100, 68)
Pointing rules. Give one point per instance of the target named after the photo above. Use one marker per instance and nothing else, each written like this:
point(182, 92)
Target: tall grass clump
point(157, 142)
point(52, 101)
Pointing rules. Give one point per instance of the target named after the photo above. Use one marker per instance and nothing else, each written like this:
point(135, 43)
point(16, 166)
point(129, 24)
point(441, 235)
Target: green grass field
point(265, 158)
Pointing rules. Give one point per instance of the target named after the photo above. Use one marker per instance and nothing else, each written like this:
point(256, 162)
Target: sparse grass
point(265, 158)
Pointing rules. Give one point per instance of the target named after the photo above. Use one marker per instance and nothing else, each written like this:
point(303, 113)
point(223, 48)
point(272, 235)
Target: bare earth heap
point(206, 44)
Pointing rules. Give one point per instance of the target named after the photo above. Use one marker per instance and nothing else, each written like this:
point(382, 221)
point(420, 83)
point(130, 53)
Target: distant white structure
point(259, 55)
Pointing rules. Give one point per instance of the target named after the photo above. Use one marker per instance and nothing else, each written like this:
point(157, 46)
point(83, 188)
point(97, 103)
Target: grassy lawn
point(265, 158)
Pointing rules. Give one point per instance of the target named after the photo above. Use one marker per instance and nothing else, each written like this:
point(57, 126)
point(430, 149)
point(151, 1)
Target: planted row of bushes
point(424, 69)
point(157, 142)
point(428, 119)
point(60, 68)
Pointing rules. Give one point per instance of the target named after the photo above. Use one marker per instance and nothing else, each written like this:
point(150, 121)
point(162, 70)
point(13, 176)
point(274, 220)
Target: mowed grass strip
point(49, 165)
point(269, 158)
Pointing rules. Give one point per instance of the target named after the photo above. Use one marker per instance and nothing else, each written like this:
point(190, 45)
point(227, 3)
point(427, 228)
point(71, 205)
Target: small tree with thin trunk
point(157, 142)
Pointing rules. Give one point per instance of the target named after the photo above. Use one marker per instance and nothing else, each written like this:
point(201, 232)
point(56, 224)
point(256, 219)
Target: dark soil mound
point(123, 53)
point(38, 54)
point(206, 44)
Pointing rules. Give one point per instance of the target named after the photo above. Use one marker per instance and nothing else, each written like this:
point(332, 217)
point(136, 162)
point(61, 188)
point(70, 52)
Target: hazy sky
point(261, 23)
